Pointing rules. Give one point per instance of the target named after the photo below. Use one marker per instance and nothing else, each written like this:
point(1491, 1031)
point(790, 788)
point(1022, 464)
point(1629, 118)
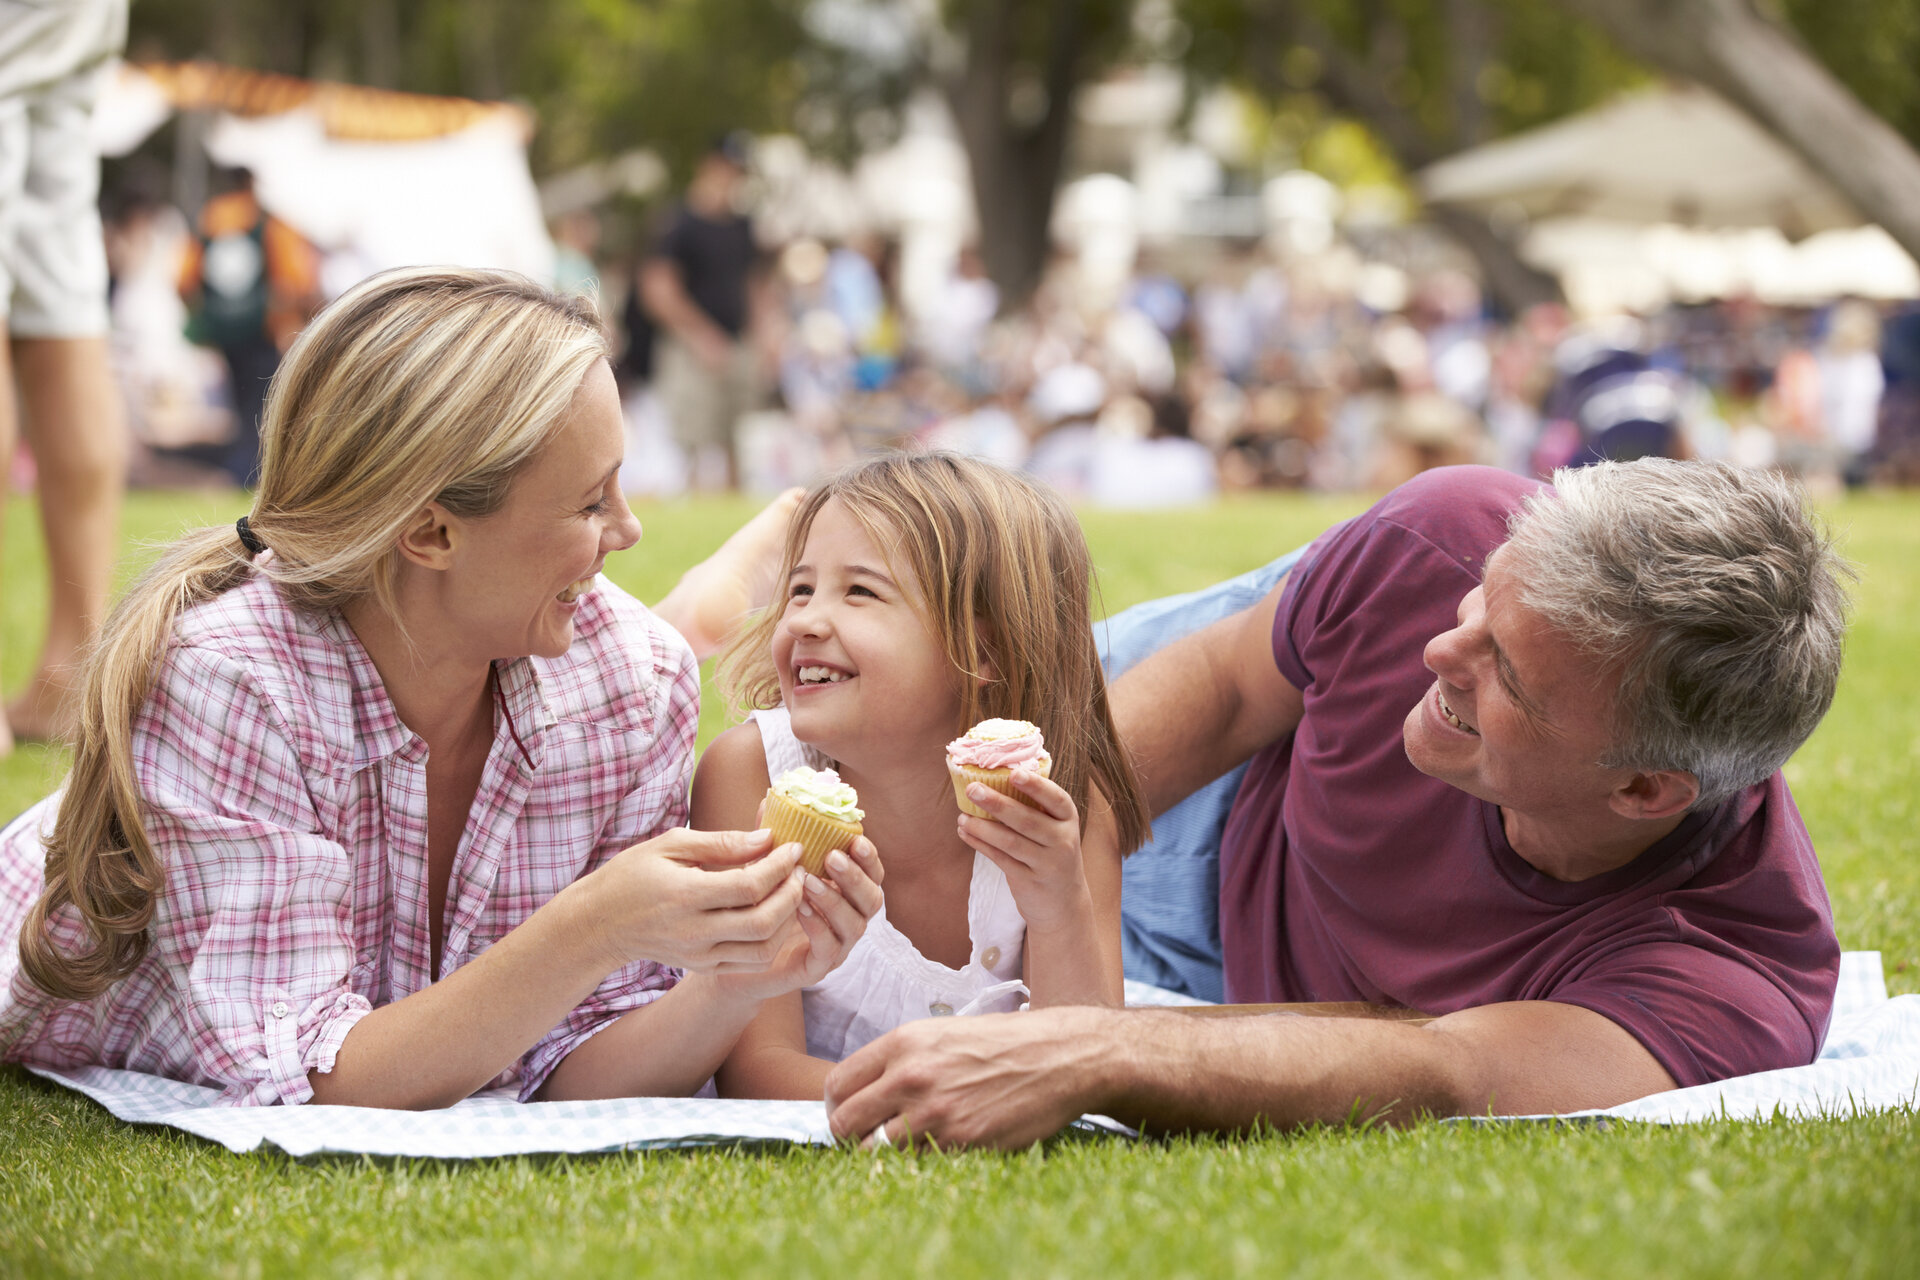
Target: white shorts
point(54, 57)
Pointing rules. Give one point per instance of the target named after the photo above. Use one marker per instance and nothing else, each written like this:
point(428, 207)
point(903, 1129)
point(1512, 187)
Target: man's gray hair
point(1713, 591)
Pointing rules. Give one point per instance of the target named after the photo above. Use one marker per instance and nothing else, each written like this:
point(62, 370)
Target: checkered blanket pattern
point(1871, 1062)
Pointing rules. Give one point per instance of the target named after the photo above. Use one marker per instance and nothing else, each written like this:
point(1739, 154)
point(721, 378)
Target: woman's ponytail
point(99, 860)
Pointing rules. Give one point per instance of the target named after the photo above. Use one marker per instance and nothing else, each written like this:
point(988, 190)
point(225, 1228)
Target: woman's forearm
point(440, 1044)
point(695, 899)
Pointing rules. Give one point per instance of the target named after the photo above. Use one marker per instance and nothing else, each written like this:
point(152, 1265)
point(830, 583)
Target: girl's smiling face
point(860, 669)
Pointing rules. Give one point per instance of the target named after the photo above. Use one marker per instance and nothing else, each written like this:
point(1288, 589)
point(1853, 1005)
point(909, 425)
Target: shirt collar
point(526, 714)
point(378, 731)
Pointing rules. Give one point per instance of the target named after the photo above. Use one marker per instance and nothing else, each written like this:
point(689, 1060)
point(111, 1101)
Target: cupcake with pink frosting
point(988, 754)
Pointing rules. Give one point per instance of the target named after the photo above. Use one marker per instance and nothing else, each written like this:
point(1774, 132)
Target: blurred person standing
point(1895, 458)
point(699, 283)
point(252, 283)
point(1851, 383)
point(53, 288)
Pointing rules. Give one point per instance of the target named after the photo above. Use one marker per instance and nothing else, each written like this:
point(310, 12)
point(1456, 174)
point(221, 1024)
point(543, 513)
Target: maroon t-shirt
point(1347, 874)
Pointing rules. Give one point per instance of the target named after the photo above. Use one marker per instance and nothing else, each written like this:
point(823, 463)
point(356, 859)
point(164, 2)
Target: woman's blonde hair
point(418, 385)
point(1003, 567)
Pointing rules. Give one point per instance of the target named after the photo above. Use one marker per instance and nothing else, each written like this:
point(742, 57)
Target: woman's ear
point(431, 537)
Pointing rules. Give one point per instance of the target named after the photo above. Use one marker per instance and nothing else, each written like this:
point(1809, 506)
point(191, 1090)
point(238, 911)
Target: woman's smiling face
point(518, 574)
point(859, 666)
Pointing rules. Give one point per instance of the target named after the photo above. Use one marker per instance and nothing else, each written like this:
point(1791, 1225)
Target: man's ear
point(431, 537)
point(1663, 793)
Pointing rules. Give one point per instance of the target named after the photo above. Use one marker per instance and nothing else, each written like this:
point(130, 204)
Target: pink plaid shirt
point(289, 806)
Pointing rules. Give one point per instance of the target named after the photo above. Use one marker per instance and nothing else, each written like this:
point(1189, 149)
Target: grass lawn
point(81, 1193)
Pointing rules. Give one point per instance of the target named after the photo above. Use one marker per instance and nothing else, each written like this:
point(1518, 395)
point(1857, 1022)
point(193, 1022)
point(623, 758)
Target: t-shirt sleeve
point(1304, 598)
point(253, 928)
point(1705, 1016)
point(1416, 551)
point(657, 803)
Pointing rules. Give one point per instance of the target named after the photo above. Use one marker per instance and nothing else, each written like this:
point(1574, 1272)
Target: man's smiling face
point(1518, 714)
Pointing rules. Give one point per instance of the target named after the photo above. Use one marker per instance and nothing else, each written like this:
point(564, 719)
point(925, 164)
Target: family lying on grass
point(383, 796)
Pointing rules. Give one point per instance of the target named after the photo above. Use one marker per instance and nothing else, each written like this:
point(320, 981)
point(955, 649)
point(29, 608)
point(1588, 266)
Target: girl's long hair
point(418, 385)
point(1004, 568)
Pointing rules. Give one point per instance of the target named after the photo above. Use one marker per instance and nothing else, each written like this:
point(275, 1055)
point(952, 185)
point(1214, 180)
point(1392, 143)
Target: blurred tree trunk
point(1761, 67)
point(1013, 119)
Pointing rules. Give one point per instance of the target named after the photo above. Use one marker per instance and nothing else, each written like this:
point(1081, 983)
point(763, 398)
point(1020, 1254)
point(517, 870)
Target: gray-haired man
point(1515, 762)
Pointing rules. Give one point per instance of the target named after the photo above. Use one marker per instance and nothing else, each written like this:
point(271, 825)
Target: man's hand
point(1002, 1080)
point(710, 345)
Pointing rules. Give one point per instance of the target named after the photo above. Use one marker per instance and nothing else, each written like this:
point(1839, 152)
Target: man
point(698, 284)
point(1514, 761)
point(53, 298)
point(253, 283)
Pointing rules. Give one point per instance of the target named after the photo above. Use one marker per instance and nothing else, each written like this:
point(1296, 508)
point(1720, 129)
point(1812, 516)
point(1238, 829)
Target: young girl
point(924, 593)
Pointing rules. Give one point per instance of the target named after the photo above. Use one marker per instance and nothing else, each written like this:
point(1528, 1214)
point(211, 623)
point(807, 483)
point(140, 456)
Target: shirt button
point(280, 1009)
point(940, 1009)
point(990, 957)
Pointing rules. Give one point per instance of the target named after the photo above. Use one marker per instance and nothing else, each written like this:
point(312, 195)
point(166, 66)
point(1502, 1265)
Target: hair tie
point(248, 538)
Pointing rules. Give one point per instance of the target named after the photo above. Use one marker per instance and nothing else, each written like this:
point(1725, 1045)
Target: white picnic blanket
point(1871, 1062)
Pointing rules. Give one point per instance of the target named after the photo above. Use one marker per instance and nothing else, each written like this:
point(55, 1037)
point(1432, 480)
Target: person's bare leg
point(715, 594)
point(6, 487)
point(74, 424)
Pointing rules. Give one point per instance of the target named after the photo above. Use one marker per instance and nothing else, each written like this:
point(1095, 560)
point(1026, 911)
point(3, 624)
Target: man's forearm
point(1169, 1072)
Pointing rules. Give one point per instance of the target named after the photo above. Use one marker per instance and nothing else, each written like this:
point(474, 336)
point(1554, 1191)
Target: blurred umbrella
point(1672, 155)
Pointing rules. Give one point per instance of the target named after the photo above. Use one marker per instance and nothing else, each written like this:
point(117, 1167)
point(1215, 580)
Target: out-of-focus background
point(1149, 249)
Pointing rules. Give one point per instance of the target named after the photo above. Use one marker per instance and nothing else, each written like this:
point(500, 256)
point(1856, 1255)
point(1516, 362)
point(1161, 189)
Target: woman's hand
point(705, 901)
point(831, 918)
point(1037, 848)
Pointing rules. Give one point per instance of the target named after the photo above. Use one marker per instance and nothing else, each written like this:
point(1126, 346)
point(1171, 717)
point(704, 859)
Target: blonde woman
point(379, 794)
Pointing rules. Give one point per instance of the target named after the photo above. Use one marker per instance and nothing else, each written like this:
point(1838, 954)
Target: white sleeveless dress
point(885, 981)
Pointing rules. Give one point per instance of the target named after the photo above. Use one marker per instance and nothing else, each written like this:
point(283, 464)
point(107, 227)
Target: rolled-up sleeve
point(253, 937)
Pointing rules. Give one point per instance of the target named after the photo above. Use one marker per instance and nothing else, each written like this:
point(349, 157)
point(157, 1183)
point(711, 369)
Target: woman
point(379, 793)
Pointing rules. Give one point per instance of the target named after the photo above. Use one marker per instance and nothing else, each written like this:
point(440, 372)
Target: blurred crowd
point(1221, 366)
point(1212, 366)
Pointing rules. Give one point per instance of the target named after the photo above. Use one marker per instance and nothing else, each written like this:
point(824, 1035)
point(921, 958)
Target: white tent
point(1671, 193)
point(377, 178)
point(1671, 155)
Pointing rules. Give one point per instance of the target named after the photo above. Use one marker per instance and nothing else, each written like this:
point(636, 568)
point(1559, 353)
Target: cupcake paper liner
point(817, 834)
point(1000, 780)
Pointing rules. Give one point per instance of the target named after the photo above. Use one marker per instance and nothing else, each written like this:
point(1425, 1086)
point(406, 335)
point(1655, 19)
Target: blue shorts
point(1170, 889)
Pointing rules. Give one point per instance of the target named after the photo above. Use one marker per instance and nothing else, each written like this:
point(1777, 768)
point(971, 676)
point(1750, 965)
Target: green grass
point(82, 1194)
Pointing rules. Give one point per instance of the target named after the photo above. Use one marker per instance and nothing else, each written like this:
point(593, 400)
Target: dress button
point(280, 1009)
point(990, 957)
point(940, 1009)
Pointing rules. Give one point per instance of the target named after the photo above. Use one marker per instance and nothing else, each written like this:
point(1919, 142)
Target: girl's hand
point(1037, 848)
point(832, 916)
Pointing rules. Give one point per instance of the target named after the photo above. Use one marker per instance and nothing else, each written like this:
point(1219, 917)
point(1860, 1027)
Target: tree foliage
point(1428, 77)
point(602, 76)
